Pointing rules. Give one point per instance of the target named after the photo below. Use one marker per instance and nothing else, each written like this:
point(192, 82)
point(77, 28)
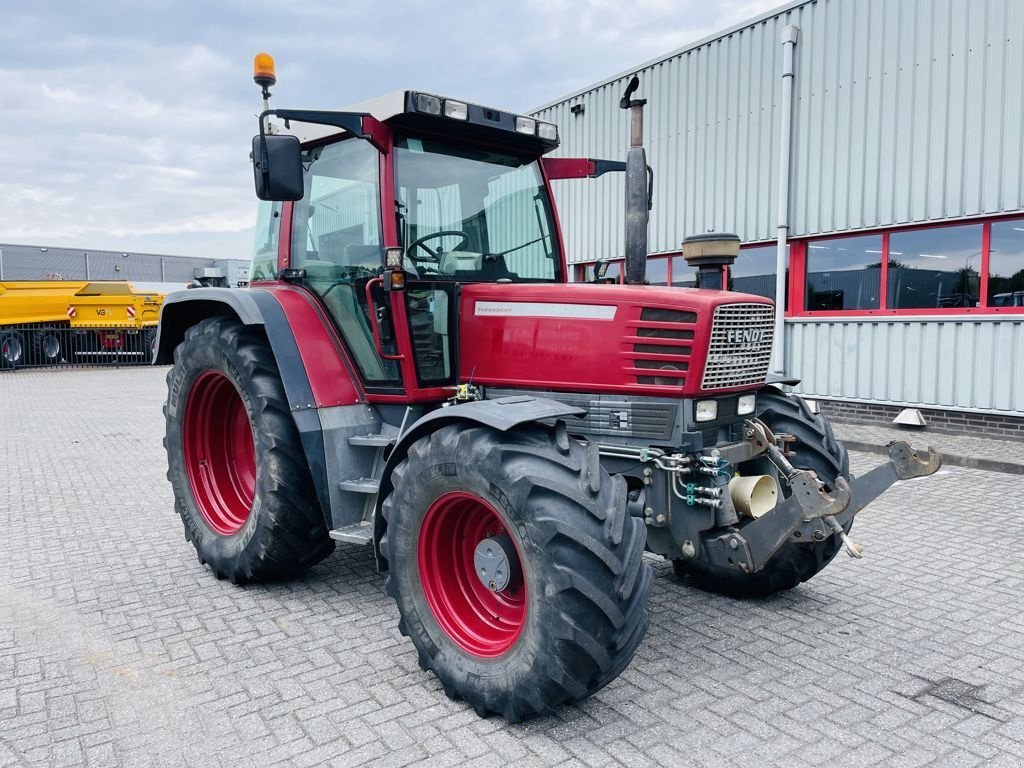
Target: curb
point(948, 459)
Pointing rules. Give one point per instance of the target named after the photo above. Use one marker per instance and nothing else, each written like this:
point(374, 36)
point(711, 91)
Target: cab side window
point(337, 240)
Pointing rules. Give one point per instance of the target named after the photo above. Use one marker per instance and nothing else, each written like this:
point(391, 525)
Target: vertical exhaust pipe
point(637, 203)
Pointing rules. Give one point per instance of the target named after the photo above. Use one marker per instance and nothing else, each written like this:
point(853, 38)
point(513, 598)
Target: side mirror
point(277, 167)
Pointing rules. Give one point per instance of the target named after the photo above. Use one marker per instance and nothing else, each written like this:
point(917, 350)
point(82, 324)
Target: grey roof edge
point(96, 251)
point(785, 8)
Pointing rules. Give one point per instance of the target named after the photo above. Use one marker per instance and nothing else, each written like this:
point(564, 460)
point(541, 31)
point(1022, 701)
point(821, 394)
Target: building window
point(683, 275)
point(1006, 264)
point(937, 268)
point(657, 271)
point(844, 273)
point(754, 271)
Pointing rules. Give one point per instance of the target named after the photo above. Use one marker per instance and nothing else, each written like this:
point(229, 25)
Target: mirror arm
point(360, 124)
point(579, 167)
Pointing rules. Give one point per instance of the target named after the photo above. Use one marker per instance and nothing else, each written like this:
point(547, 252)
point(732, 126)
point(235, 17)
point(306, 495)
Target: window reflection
point(844, 273)
point(754, 271)
point(1006, 264)
point(683, 275)
point(657, 271)
point(935, 268)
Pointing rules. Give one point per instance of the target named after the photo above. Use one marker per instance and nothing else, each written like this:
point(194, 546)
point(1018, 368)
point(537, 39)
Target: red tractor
point(411, 369)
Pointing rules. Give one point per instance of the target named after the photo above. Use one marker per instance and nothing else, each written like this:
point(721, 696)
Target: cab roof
point(416, 109)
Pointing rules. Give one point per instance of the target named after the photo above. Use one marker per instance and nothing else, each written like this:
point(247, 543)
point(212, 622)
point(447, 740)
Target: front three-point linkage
point(818, 504)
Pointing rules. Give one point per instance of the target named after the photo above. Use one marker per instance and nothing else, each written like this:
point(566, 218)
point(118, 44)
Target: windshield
point(472, 214)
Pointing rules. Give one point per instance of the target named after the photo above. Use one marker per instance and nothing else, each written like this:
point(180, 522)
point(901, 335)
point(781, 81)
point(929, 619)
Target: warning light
point(263, 72)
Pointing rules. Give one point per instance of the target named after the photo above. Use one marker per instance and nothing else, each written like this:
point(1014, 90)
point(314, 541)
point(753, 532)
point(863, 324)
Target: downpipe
point(789, 38)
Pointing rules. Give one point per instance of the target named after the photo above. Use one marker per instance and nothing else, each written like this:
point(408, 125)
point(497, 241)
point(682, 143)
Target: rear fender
point(257, 307)
point(501, 414)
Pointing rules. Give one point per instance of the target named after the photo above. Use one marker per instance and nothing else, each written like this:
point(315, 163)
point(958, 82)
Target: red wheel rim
point(220, 456)
point(479, 621)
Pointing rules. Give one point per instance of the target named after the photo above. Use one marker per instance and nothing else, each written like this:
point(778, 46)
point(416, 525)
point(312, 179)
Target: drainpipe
point(789, 36)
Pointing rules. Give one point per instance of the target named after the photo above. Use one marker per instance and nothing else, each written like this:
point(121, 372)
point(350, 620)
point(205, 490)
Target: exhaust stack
point(637, 203)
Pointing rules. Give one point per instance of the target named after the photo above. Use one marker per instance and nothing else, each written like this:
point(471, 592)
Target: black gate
point(42, 345)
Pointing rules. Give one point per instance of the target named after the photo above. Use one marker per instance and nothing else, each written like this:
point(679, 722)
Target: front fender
point(501, 414)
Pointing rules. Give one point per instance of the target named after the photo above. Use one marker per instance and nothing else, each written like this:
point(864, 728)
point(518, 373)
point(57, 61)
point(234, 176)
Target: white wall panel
point(964, 363)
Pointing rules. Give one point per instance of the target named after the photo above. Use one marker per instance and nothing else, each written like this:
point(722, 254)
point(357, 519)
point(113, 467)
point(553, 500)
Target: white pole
point(789, 37)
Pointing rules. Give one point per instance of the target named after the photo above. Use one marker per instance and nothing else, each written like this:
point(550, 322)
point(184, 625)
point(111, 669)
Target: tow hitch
point(811, 513)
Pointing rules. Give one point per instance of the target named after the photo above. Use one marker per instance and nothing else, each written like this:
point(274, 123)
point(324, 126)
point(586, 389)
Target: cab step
point(362, 485)
point(375, 441)
point(359, 533)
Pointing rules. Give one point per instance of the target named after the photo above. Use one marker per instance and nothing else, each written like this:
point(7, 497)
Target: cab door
point(336, 238)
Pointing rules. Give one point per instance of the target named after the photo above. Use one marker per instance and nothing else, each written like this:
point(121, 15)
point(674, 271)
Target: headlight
point(427, 103)
point(746, 404)
point(455, 109)
point(706, 410)
point(547, 131)
point(526, 125)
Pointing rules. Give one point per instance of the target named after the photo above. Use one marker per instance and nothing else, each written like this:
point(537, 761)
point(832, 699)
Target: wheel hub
point(496, 562)
point(471, 574)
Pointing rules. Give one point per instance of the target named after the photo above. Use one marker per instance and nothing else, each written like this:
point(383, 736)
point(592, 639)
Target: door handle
point(375, 320)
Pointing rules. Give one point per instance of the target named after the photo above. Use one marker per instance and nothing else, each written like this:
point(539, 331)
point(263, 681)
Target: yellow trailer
point(46, 322)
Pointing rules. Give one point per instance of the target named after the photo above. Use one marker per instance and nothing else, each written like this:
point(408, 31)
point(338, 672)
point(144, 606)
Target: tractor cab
point(396, 204)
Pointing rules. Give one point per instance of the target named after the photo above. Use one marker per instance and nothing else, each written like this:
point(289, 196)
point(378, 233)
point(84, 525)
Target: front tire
point(816, 448)
point(241, 483)
point(573, 610)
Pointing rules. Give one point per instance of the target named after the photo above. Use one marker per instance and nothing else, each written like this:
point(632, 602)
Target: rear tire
point(241, 483)
point(12, 349)
point(575, 617)
point(48, 344)
point(816, 448)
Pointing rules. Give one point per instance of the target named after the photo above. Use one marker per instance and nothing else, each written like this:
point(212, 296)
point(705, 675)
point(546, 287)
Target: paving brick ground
point(118, 648)
point(963, 450)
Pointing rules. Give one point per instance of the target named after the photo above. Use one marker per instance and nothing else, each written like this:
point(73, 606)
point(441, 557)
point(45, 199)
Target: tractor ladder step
point(359, 533)
point(362, 485)
point(376, 441)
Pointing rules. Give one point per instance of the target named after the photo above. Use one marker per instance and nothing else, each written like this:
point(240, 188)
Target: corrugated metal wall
point(904, 111)
point(29, 262)
point(962, 363)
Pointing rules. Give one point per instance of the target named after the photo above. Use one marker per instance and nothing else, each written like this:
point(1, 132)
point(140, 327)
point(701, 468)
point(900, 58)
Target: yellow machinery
point(47, 322)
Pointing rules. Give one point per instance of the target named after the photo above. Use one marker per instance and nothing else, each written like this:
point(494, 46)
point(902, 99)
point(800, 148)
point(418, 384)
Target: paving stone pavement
point(973, 451)
point(118, 648)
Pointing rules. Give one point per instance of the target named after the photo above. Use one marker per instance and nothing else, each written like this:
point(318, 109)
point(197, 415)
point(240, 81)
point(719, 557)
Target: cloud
point(127, 126)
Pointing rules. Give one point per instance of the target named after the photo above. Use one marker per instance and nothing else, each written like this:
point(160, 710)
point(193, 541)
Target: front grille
point(668, 360)
point(741, 346)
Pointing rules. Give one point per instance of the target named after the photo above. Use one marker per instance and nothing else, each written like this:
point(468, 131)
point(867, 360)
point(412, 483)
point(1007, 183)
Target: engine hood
point(648, 340)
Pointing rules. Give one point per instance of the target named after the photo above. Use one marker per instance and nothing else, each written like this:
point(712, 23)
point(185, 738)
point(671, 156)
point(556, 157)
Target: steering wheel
point(434, 258)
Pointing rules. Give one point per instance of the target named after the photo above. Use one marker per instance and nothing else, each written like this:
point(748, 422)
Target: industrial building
point(889, 170)
point(37, 262)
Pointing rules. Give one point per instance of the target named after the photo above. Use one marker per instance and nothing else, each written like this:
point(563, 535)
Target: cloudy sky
point(130, 129)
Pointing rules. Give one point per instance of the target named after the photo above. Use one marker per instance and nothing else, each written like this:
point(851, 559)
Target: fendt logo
point(745, 336)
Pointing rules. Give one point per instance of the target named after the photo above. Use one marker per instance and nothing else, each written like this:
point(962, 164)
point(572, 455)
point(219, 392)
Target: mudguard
point(254, 306)
point(501, 414)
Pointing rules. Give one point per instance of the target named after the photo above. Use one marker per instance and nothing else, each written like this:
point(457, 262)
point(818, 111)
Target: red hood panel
point(583, 337)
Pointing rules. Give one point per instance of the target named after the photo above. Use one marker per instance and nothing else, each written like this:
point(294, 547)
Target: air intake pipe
point(709, 254)
point(637, 202)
